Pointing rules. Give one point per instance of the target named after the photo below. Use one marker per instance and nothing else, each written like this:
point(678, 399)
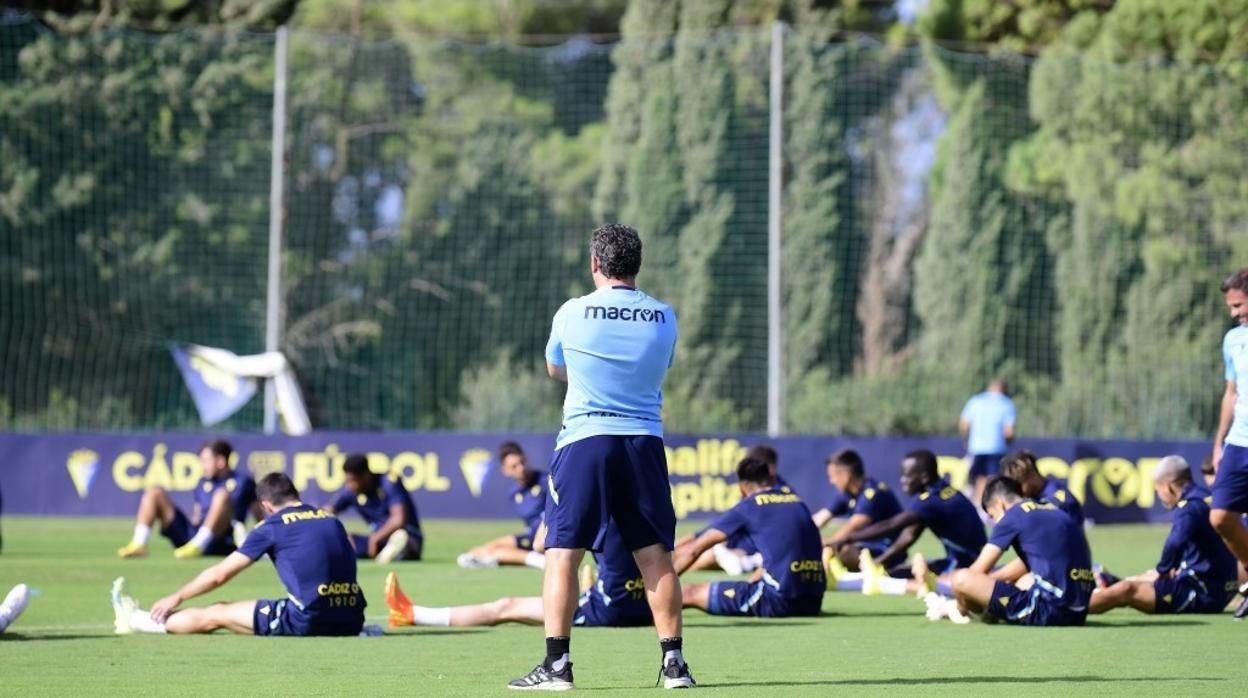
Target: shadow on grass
point(18, 637)
point(904, 681)
point(1146, 623)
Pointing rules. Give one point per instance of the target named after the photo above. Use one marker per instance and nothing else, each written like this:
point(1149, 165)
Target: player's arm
point(396, 520)
point(1225, 416)
point(559, 373)
point(204, 582)
point(884, 528)
point(1172, 550)
point(685, 556)
point(987, 558)
point(855, 522)
point(904, 540)
point(220, 511)
point(1011, 571)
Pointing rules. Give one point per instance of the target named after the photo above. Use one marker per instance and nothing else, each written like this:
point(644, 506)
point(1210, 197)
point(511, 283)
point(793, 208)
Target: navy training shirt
point(375, 508)
point(240, 485)
point(530, 501)
point(1053, 547)
point(1194, 546)
point(1056, 493)
point(314, 559)
point(779, 524)
point(953, 519)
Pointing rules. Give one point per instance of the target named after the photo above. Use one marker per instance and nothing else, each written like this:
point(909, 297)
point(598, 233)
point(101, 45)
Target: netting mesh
point(947, 218)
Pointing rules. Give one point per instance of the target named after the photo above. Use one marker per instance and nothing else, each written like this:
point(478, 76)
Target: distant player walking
point(1230, 444)
point(613, 348)
point(987, 427)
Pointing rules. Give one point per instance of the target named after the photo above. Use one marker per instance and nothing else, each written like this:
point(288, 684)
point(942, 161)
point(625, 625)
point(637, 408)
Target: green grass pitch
point(63, 644)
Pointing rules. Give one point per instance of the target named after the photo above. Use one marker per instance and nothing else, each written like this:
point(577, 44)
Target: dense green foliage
point(1061, 220)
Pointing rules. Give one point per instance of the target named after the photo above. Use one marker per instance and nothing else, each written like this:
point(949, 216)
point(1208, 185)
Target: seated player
point(386, 507)
point(1020, 466)
point(738, 554)
point(13, 605)
point(1196, 573)
point(313, 556)
point(529, 497)
point(222, 496)
point(792, 580)
point(1050, 583)
point(617, 599)
point(865, 500)
point(936, 506)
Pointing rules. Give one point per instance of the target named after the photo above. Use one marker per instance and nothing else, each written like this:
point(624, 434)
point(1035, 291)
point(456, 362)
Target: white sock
point(203, 537)
point(423, 615)
point(670, 654)
point(749, 563)
point(142, 622)
point(535, 560)
point(142, 533)
point(727, 559)
point(893, 586)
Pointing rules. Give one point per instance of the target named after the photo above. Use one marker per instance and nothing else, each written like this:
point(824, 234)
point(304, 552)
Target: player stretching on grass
point(792, 580)
point(865, 499)
point(387, 508)
point(613, 348)
point(529, 496)
point(1230, 444)
point(314, 560)
point(616, 599)
point(1051, 581)
point(1196, 573)
point(222, 497)
point(1021, 467)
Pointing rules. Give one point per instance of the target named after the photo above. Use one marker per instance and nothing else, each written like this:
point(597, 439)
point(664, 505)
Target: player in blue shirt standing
point(987, 428)
point(613, 347)
point(1230, 444)
point(864, 499)
point(529, 498)
point(386, 507)
point(314, 560)
point(1021, 467)
point(221, 497)
point(1196, 573)
point(616, 599)
point(792, 581)
point(1052, 582)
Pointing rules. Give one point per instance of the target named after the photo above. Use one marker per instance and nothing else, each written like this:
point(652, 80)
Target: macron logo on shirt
point(599, 312)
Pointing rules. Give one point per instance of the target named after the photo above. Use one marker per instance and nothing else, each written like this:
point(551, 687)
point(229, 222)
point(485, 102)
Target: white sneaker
point(123, 607)
point(727, 559)
point(936, 608)
point(13, 605)
point(394, 547)
point(470, 562)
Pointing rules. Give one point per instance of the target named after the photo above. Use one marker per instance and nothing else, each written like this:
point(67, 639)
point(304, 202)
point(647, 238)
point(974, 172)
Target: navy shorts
point(180, 531)
point(1230, 487)
point(283, 618)
point(1190, 595)
point(600, 478)
point(1031, 606)
point(985, 465)
point(595, 611)
point(758, 599)
point(944, 565)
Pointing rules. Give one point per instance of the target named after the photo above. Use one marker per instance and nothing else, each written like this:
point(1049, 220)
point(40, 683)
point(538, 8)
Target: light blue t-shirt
point(1235, 356)
point(989, 414)
point(617, 344)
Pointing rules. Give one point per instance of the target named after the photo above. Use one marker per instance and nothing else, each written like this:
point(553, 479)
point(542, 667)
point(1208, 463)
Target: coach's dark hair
point(763, 452)
point(1019, 465)
point(509, 448)
point(848, 458)
point(926, 461)
point(617, 248)
point(1237, 281)
point(1001, 487)
point(219, 447)
point(754, 470)
point(356, 464)
point(276, 489)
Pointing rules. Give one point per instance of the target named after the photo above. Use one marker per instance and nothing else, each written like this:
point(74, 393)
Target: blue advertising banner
point(455, 476)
